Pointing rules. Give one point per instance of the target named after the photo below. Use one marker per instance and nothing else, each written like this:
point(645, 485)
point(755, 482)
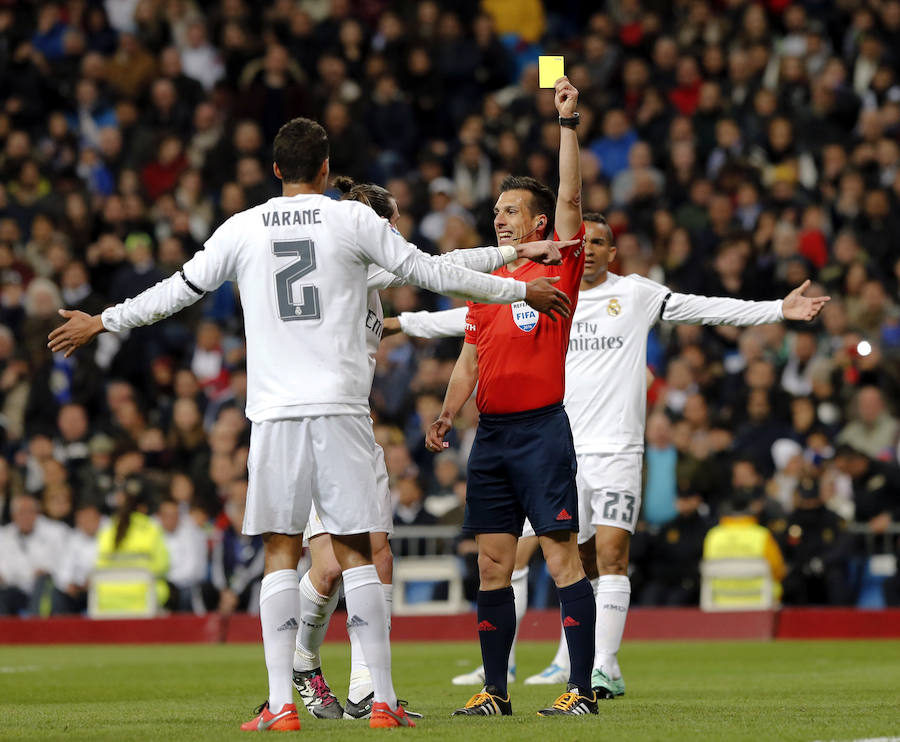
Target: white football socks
point(315, 613)
point(279, 606)
point(613, 595)
point(520, 595)
point(367, 619)
point(360, 677)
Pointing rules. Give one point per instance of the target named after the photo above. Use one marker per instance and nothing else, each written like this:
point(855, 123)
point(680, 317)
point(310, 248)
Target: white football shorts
point(327, 460)
point(609, 492)
point(383, 494)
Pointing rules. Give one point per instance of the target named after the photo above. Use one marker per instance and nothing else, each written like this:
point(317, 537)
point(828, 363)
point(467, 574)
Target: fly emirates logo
point(586, 337)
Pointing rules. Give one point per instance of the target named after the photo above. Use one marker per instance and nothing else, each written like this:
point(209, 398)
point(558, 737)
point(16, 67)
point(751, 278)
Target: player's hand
point(80, 329)
point(434, 438)
point(391, 327)
point(546, 252)
point(540, 294)
point(566, 98)
point(799, 307)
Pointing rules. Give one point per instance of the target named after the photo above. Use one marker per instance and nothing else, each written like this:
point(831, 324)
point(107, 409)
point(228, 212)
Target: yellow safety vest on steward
point(143, 547)
point(741, 537)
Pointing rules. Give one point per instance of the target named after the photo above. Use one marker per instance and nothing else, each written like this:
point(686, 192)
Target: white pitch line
point(7, 669)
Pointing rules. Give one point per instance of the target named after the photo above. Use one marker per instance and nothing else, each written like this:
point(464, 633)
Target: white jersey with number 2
point(301, 265)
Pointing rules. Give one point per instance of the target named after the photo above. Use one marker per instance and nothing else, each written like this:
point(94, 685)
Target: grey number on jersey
point(308, 308)
point(611, 511)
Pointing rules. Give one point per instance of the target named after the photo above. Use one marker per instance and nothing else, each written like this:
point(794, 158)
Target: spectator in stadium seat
point(189, 92)
point(72, 572)
point(674, 554)
point(796, 378)
point(613, 147)
point(189, 562)
point(660, 459)
point(168, 112)
point(131, 69)
point(876, 487)
point(77, 292)
point(349, 141)
point(442, 497)
point(816, 548)
point(90, 114)
point(273, 90)
point(410, 511)
point(160, 176)
point(236, 564)
point(625, 184)
point(873, 430)
point(31, 545)
point(71, 443)
point(200, 59)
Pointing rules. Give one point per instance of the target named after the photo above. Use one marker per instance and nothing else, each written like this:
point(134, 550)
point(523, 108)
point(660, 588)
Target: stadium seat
point(122, 593)
point(736, 585)
point(428, 569)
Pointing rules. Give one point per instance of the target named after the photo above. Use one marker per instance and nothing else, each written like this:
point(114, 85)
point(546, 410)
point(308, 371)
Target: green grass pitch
point(675, 691)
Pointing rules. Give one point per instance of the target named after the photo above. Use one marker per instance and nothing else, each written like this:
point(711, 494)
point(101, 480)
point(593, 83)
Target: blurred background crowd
point(737, 148)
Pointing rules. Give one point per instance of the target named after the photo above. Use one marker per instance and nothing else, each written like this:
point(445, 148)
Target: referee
point(523, 461)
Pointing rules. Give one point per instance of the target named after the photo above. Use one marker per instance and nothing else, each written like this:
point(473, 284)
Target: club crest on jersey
point(525, 317)
point(614, 308)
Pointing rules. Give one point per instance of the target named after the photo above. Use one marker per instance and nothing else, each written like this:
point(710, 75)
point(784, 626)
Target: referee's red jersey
point(521, 353)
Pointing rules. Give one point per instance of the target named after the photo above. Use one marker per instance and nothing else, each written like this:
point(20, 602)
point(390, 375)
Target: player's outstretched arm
point(446, 324)
point(482, 260)
point(462, 384)
point(379, 243)
point(568, 201)
point(162, 300)
point(690, 309)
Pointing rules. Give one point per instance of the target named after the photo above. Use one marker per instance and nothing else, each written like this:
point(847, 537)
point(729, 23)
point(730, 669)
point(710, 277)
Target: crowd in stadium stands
point(737, 148)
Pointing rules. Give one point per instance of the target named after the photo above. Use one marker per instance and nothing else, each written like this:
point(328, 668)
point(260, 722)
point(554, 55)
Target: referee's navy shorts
point(522, 464)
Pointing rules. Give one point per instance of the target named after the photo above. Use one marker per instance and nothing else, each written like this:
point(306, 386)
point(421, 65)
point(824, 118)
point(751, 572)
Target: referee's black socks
point(578, 610)
point(496, 631)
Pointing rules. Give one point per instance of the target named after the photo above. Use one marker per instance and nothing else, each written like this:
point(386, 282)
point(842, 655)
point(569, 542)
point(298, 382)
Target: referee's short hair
point(543, 200)
point(300, 148)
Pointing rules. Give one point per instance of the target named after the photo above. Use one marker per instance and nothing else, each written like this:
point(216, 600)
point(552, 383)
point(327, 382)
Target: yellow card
point(550, 69)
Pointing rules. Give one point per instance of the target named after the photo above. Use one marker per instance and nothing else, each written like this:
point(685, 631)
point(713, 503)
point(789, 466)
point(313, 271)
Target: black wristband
point(570, 123)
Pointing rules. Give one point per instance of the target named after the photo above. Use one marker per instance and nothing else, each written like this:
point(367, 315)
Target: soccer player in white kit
point(301, 262)
point(319, 587)
point(606, 403)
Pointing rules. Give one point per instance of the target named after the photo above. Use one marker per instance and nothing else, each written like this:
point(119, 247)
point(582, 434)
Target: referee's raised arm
point(568, 202)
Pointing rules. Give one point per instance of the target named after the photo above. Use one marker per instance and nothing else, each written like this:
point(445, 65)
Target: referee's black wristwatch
point(570, 123)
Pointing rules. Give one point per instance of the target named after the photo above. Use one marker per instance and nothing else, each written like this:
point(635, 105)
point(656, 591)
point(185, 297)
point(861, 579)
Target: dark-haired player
point(319, 588)
point(523, 460)
point(301, 262)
